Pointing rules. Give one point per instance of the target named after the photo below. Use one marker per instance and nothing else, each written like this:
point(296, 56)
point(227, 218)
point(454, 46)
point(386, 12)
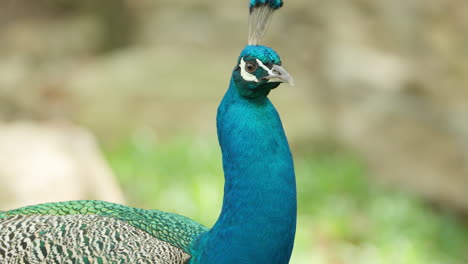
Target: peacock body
point(258, 219)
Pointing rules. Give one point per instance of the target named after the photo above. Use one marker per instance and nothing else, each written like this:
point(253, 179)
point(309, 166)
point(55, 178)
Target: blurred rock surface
point(393, 79)
point(46, 162)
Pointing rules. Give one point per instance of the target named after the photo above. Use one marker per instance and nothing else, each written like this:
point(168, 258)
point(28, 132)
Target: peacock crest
point(260, 16)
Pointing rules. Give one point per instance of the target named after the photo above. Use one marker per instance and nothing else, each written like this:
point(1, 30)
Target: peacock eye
point(251, 66)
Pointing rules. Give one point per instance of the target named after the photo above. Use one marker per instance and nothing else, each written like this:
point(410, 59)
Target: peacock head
point(258, 71)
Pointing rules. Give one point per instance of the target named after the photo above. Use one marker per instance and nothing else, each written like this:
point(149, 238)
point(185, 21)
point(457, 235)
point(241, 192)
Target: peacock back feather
point(94, 232)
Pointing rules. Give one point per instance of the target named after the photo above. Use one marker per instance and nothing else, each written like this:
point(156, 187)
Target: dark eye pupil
point(250, 67)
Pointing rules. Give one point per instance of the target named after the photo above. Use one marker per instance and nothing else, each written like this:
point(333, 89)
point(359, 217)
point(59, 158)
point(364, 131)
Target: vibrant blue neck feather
point(258, 219)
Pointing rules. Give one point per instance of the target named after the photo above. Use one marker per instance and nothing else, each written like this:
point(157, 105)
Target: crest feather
point(260, 17)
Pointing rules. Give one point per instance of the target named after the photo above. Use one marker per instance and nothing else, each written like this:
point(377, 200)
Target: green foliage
point(180, 176)
point(343, 218)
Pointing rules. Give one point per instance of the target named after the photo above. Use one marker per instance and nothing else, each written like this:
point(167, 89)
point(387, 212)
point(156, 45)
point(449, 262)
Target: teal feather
point(258, 219)
point(262, 53)
point(274, 4)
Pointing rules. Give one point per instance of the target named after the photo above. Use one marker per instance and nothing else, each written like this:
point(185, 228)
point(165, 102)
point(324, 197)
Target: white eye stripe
point(245, 75)
point(260, 63)
point(250, 77)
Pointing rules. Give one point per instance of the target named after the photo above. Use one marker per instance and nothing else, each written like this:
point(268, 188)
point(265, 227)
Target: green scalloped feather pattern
point(175, 229)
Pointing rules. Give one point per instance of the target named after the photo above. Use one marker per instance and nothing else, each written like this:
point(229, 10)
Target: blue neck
point(258, 219)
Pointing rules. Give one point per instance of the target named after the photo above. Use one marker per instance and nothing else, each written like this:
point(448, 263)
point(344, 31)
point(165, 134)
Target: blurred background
point(116, 100)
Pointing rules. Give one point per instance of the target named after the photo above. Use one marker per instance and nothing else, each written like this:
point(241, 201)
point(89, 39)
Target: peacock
point(258, 219)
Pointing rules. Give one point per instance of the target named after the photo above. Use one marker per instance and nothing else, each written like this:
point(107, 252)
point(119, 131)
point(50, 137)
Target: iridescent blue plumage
point(275, 4)
point(258, 219)
point(262, 53)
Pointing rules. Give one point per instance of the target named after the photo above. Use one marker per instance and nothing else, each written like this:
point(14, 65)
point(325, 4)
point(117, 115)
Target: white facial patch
point(250, 77)
point(260, 63)
point(245, 75)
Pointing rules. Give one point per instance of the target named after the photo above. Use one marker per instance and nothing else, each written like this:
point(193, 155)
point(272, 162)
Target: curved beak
point(279, 74)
